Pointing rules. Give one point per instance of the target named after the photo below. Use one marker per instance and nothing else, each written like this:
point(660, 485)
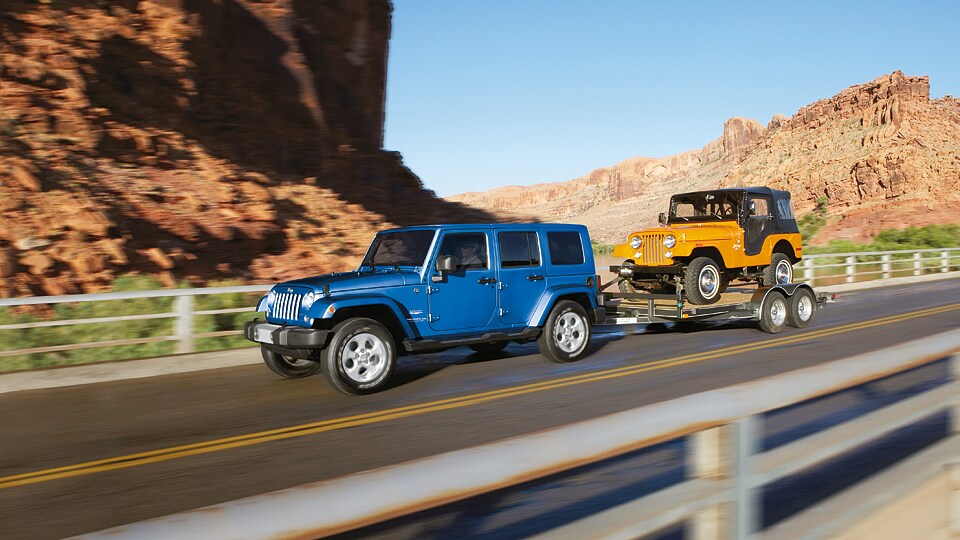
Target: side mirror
point(445, 263)
point(663, 218)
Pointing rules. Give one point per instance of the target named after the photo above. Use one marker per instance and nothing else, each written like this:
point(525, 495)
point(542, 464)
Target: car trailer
point(773, 307)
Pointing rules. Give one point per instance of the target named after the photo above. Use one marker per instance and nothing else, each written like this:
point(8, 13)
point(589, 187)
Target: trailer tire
point(361, 357)
point(802, 305)
point(773, 312)
point(701, 281)
point(566, 333)
point(288, 367)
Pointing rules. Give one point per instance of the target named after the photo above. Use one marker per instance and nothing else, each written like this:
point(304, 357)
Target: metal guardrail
point(719, 498)
point(834, 268)
point(817, 270)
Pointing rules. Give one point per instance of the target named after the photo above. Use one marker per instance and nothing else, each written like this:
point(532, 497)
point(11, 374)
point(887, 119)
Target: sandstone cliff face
point(882, 153)
point(195, 139)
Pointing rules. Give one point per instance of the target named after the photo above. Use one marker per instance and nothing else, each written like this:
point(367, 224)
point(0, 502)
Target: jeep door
point(758, 222)
point(521, 275)
point(466, 298)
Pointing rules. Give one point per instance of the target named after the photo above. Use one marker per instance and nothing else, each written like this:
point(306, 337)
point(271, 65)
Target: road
point(84, 458)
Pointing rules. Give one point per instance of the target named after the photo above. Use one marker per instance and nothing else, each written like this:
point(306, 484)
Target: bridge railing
point(719, 496)
point(836, 268)
point(172, 318)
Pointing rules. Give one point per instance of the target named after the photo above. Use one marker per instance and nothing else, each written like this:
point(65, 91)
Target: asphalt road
point(84, 458)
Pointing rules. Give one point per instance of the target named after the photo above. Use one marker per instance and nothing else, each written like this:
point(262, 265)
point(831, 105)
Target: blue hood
point(356, 281)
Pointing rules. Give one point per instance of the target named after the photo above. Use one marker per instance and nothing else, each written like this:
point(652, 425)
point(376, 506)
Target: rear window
point(565, 248)
point(519, 249)
point(784, 209)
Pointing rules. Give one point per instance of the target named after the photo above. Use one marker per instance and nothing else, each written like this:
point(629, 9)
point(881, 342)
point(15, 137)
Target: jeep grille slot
point(288, 306)
point(652, 249)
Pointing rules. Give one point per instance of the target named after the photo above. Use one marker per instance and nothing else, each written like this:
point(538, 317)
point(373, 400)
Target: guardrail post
point(184, 322)
point(851, 268)
point(885, 265)
point(917, 264)
point(953, 502)
point(808, 271)
point(706, 461)
point(953, 469)
point(944, 262)
point(745, 522)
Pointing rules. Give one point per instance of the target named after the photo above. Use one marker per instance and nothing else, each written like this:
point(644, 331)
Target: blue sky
point(487, 93)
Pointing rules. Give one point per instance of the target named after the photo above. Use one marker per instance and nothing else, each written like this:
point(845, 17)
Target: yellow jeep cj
point(711, 238)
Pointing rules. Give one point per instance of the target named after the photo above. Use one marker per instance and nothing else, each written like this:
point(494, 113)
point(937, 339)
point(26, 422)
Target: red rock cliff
point(195, 139)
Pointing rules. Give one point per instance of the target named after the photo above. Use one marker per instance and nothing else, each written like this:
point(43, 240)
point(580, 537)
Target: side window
point(565, 247)
point(469, 249)
point(518, 249)
point(758, 206)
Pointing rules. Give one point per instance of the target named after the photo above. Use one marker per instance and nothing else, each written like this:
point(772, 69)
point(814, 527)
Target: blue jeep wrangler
point(434, 287)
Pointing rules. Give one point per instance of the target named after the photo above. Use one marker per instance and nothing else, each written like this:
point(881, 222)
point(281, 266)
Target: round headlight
point(636, 242)
point(308, 299)
point(669, 241)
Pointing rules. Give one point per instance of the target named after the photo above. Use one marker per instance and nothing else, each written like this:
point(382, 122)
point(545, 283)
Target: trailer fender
point(787, 289)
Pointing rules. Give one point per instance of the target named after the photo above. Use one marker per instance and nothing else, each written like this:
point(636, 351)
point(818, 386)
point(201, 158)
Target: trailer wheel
point(773, 312)
point(701, 281)
point(801, 309)
point(361, 357)
point(288, 367)
point(779, 272)
point(566, 333)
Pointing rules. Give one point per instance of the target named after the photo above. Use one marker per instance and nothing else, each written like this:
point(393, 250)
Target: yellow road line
point(175, 452)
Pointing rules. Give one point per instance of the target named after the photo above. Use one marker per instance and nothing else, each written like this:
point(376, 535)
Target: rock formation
point(195, 139)
point(883, 154)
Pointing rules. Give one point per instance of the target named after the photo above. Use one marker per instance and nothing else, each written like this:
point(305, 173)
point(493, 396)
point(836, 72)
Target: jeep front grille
point(287, 306)
point(651, 251)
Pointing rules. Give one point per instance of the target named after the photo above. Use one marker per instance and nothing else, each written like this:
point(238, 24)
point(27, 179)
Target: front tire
point(288, 367)
point(361, 357)
point(779, 272)
point(566, 333)
point(702, 281)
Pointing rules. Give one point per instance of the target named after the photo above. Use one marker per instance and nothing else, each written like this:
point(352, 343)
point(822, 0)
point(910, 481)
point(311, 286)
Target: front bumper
point(293, 337)
point(641, 270)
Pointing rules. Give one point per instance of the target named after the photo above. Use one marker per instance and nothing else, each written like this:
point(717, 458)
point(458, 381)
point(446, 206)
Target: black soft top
point(783, 222)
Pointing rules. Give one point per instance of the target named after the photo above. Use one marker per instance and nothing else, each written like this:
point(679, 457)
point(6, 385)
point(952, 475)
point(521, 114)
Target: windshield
point(700, 207)
point(403, 248)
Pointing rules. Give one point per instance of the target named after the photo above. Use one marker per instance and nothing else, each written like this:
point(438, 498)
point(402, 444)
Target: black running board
point(428, 344)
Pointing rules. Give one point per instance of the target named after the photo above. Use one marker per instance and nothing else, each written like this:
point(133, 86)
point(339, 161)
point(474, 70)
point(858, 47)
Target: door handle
point(535, 277)
point(486, 281)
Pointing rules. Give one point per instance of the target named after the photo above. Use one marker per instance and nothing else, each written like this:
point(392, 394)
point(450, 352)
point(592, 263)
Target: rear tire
point(779, 272)
point(288, 367)
point(361, 357)
point(773, 312)
point(701, 281)
point(802, 306)
point(566, 334)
